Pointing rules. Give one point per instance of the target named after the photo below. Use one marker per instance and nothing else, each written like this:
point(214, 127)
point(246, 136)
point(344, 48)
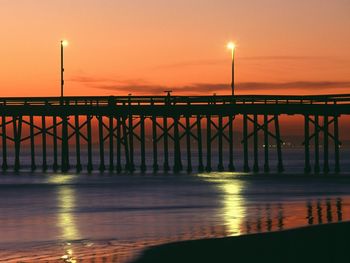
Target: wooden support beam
point(336, 144)
point(208, 167)
point(126, 145)
point(119, 140)
point(231, 166)
point(32, 142)
point(177, 152)
point(102, 166)
point(325, 145)
point(199, 144)
point(155, 145)
point(143, 144)
point(131, 144)
point(166, 166)
point(89, 142)
point(54, 142)
point(259, 127)
point(266, 144)
point(77, 143)
point(64, 149)
point(245, 144)
point(17, 129)
point(307, 166)
point(220, 150)
point(4, 165)
point(280, 167)
point(317, 146)
point(256, 149)
point(111, 143)
point(43, 134)
point(188, 144)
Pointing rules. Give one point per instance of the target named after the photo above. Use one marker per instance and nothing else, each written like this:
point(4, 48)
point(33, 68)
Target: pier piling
point(307, 167)
point(208, 167)
point(32, 142)
point(317, 145)
point(325, 145)
point(199, 144)
point(266, 144)
point(256, 149)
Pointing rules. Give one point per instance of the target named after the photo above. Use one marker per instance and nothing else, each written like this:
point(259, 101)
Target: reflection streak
point(233, 205)
point(66, 198)
point(66, 221)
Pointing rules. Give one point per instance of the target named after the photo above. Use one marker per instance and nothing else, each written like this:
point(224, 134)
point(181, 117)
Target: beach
point(323, 243)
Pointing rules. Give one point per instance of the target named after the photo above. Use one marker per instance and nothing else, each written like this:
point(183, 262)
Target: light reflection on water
point(112, 218)
point(233, 206)
point(66, 221)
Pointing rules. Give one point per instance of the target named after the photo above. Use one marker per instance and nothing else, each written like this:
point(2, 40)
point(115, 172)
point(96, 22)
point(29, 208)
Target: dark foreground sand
point(322, 243)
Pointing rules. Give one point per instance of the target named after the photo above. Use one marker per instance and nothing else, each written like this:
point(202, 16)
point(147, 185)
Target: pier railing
point(175, 100)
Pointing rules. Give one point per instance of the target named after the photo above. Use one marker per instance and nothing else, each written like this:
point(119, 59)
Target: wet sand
point(321, 243)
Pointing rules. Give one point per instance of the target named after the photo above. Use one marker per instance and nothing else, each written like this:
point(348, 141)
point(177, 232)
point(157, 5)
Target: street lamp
point(232, 47)
point(64, 43)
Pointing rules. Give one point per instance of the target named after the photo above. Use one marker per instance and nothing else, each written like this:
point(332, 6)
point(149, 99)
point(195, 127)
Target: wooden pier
point(179, 130)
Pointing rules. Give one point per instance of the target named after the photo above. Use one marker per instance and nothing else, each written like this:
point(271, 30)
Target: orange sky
point(143, 47)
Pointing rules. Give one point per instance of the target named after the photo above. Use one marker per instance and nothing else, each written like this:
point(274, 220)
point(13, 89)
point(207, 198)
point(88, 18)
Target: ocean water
point(49, 217)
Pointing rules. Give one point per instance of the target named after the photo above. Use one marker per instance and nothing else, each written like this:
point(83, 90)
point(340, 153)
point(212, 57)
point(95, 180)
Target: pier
point(170, 127)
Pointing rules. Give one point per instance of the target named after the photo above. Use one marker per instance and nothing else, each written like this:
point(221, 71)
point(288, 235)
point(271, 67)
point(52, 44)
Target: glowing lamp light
point(64, 43)
point(231, 45)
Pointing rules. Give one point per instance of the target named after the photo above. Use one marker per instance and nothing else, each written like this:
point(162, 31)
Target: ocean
point(103, 217)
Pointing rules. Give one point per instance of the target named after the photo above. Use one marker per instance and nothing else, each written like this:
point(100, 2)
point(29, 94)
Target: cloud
point(141, 87)
point(307, 85)
point(310, 87)
point(89, 80)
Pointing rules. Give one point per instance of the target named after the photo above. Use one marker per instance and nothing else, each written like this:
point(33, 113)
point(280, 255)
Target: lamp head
point(64, 43)
point(231, 46)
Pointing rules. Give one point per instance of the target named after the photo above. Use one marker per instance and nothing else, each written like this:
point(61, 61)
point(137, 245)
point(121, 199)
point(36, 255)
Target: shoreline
point(317, 243)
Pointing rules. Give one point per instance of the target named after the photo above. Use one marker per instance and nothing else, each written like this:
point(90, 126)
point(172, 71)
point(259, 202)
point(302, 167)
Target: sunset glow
point(145, 47)
point(174, 131)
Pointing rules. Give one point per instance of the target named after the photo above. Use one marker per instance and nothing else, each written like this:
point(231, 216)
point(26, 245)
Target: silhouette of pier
point(176, 126)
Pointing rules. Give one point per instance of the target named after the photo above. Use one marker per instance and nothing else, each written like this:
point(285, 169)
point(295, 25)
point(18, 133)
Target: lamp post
point(63, 44)
point(232, 47)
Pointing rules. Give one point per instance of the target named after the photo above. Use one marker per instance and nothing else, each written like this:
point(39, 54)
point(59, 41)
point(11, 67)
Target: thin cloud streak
point(251, 87)
point(91, 80)
point(308, 85)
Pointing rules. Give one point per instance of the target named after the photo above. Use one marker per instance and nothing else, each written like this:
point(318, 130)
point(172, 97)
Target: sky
point(145, 47)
